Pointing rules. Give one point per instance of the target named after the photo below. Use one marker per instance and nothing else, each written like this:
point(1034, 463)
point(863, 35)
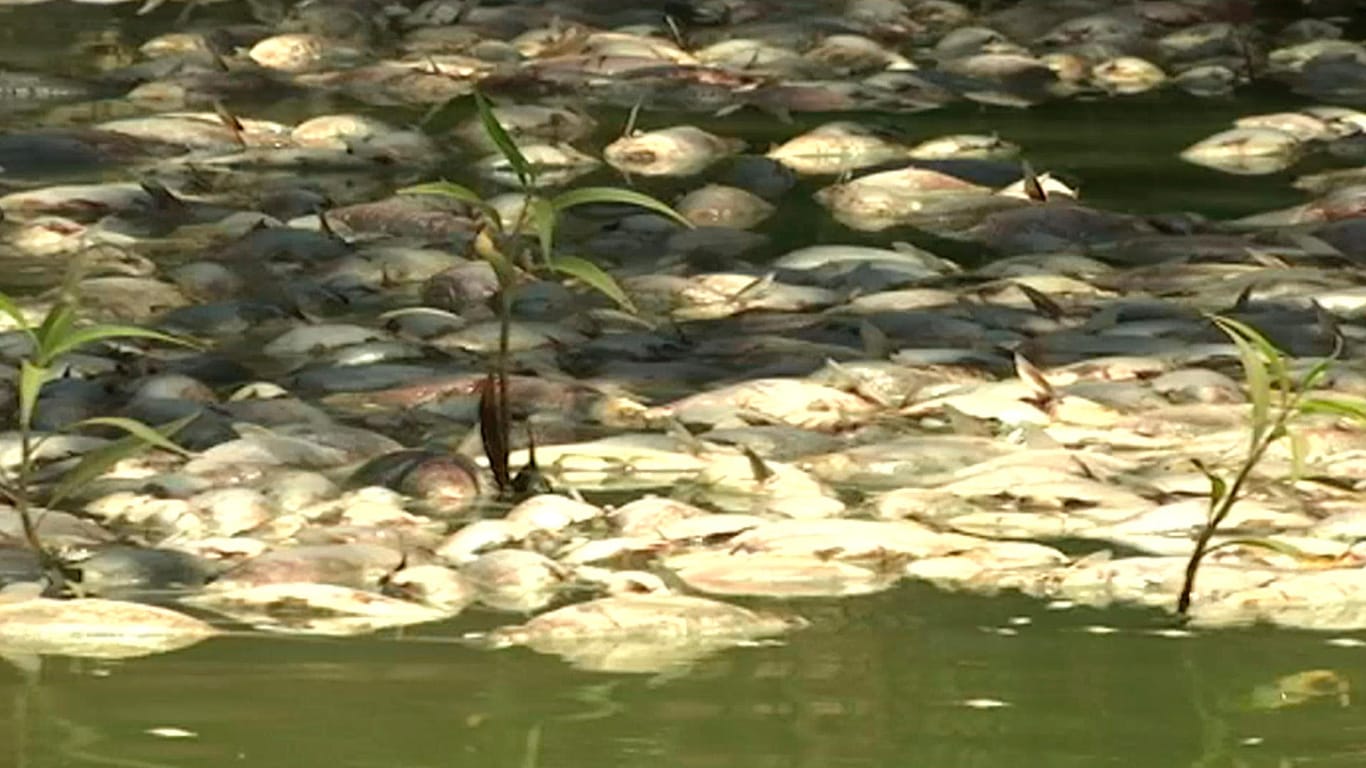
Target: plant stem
point(1223, 507)
point(24, 482)
point(501, 365)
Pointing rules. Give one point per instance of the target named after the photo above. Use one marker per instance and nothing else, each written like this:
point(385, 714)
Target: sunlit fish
point(682, 150)
point(835, 148)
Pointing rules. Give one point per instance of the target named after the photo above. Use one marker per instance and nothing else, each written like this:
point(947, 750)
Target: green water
point(914, 677)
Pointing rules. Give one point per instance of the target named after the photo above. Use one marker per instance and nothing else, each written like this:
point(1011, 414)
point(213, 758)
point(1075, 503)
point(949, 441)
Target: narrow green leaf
point(500, 138)
point(135, 428)
point(8, 306)
point(1271, 355)
point(1353, 408)
point(456, 192)
point(31, 380)
point(594, 277)
point(1258, 378)
point(1217, 486)
point(589, 195)
point(54, 327)
point(444, 116)
point(1315, 375)
point(98, 461)
point(543, 218)
point(1271, 545)
point(90, 334)
point(1299, 450)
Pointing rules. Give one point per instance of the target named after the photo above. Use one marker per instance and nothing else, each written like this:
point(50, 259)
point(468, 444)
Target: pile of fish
point(777, 422)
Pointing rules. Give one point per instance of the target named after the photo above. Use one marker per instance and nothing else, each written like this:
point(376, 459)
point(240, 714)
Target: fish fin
point(1034, 379)
point(1032, 186)
point(675, 429)
point(162, 198)
point(965, 425)
point(875, 342)
point(760, 469)
point(231, 122)
point(325, 227)
point(1042, 302)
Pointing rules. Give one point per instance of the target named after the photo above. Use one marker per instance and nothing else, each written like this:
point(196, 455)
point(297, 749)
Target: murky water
point(913, 677)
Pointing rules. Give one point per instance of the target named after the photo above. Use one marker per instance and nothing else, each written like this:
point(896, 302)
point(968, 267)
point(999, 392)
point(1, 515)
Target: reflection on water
point(910, 678)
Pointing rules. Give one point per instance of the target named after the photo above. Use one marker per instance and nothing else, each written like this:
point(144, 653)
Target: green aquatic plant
point(1278, 398)
point(58, 334)
point(527, 245)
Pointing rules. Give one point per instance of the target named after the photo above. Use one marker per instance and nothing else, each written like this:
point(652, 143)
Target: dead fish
point(434, 585)
point(1301, 688)
point(1319, 600)
point(784, 401)
point(661, 618)
point(298, 52)
point(850, 540)
point(723, 294)
point(555, 164)
point(896, 197)
point(896, 462)
point(96, 628)
point(642, 633)
point(351, 565)
point(422, 216)
point(813, 258)
point(845, 55)
point(318, 609)
point(1302, 126)
point(1054, 226)
point(682, 150)
point(774, 575)
point(754, 56)
point(1207, 81)
point(1127, 75)
point(78, 200)
point(448, 482)
point(1249, 151)
point(514, 579)
point(201, 130)
point(470, 541)
point(836, 147)
point(716, 205)
point(530, 124)
point(963, 146)
point(630, 460)
point(337, 131)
